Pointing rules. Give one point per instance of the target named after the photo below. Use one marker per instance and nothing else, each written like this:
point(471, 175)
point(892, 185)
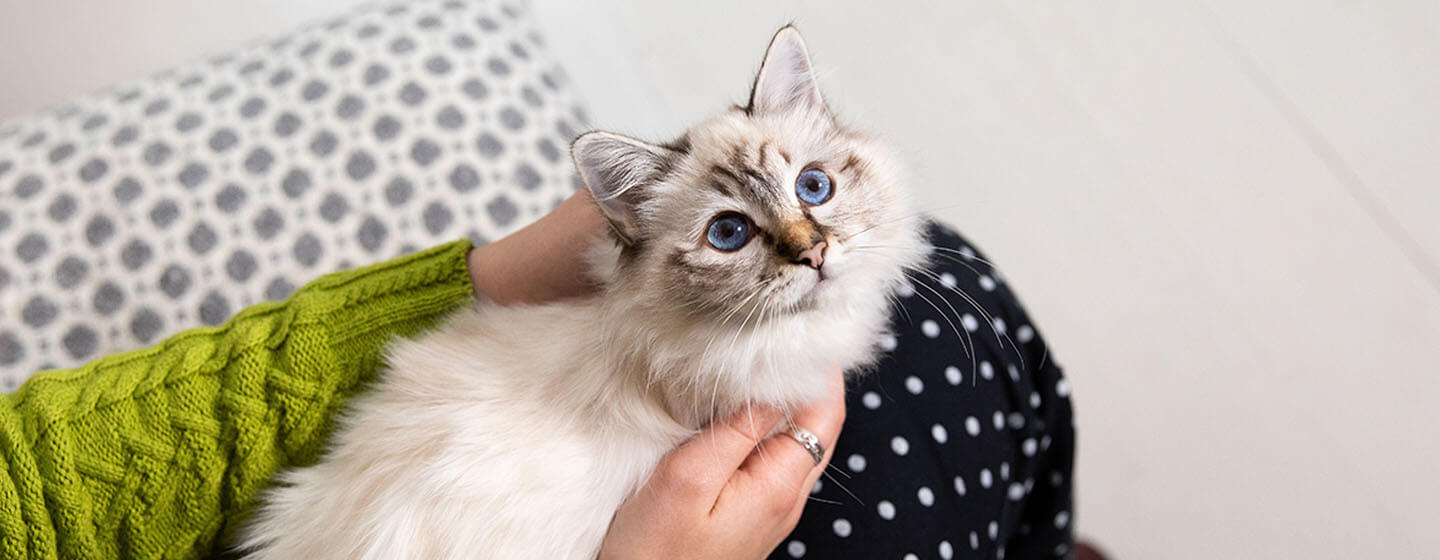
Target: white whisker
point(842, 487)
point(968, 352)
point(989, 319)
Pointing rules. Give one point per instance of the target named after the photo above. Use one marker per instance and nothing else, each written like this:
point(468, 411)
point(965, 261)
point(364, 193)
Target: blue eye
point(728, 232)
point(813, 187)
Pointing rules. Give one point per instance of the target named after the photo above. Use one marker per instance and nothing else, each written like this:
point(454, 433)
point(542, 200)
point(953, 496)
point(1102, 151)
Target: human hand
point(544, 261)
point(722, 495)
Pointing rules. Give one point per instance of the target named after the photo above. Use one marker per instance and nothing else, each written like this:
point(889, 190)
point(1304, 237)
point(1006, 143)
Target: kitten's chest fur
point(519, 431)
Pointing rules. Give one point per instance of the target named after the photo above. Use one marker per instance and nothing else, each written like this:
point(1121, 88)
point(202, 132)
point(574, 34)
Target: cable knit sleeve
point(155, 453)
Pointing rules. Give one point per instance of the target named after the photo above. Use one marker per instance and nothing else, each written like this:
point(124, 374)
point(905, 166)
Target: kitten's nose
point(813, 257)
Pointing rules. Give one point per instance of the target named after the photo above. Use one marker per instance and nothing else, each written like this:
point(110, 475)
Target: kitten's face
point(768, 210)
point(780, 211)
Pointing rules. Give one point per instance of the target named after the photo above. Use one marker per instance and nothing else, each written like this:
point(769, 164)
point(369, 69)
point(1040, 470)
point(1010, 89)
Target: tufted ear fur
point(619, 171)
point(786, 82)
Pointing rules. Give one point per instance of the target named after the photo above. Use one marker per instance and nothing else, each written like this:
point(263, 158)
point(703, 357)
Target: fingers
point(781, 469)
point(830, 415)
point(700, 468)
point(723, 467)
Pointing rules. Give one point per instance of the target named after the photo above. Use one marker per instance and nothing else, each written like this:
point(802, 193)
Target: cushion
point(175, 201)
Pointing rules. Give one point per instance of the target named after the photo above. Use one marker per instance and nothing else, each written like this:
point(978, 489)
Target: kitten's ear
point(618, 171)
point(785, 82)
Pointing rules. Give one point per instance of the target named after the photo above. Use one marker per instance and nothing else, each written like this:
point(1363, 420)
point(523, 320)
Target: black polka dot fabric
point(177, 201)
point(960, 444)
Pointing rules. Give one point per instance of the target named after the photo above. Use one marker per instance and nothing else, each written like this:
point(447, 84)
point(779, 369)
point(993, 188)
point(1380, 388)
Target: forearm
point(151, 453)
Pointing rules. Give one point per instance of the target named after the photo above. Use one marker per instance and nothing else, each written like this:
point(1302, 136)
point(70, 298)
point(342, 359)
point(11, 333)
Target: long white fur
point(516, 432)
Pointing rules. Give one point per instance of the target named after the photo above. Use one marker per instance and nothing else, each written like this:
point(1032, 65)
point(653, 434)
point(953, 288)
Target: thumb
point(702, 466)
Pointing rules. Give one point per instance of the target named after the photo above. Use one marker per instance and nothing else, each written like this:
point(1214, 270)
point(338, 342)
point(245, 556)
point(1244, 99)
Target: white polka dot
point(967, 252)
point(960, 486)
point(1034, 399)
point(998, 420)
point(899, 445)
point(930, 328)
point(1062, 388)
point(1029, 485)
point(1056, 478)
point(969, 322)
point(1004, 470)
point(870, 400)
point(1000, 552)
point(987, 371)
point(974, 541)
point(905, 289)
point(914, 385)
point(842, 527)
point(888, 342)
point(1061, 549)
point(886, 510)
point(972, 426)
point(910, 557)
point(947, 279)
point(1025, 334)
point(987, 283)
point(795, 548)
point(1016, 491)
point(817, 487)
point(856, 462)
point(1045, 442)
point(926, 496)
point(993, 530)
point(1014, 372)
point(1062, 519)
point(938, 432)
point(1016, 420)
point(999, 325)
point(986, 479)
point(952, 374)
point(946, 551)
point(1028, 447)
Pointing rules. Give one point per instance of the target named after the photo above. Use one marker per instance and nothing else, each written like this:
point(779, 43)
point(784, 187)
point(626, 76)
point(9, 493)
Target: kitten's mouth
point(810, 294)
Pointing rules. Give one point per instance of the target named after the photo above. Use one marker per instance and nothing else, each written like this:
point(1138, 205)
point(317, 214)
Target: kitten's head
point(773, 206)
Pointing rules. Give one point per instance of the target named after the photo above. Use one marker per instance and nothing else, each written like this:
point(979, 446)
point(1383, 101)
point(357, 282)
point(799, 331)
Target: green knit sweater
point(157, 453)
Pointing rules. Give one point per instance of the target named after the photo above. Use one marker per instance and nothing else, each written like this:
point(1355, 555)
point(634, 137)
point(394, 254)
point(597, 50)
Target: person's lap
point(959, 444)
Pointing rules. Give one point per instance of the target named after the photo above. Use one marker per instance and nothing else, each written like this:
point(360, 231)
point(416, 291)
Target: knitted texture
point(157, 453)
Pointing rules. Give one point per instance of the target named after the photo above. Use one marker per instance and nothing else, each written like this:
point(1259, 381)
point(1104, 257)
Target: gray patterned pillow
point(174, 202)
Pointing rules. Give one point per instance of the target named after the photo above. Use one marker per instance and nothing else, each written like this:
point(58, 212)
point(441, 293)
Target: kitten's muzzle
point(803, 242)
point(813, 257)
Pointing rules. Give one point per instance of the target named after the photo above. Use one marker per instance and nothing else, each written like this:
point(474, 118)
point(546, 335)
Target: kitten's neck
point(697, 371)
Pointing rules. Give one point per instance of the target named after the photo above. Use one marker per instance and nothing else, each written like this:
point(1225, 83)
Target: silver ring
point(809, 442)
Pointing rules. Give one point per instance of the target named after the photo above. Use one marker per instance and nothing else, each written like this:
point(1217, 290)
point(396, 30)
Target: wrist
point(542, 261)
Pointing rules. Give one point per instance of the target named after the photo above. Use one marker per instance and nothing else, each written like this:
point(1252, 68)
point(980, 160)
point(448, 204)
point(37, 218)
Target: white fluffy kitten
point(749, 257)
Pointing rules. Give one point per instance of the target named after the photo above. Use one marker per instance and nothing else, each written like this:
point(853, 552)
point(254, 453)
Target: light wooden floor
point(1223, 213)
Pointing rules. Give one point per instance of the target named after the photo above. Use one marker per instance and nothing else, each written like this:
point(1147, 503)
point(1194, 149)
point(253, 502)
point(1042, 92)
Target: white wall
point(1221, 212)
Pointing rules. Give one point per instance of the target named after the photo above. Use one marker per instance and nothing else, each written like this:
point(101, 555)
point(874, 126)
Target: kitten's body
point(516, 432)
point(489, 440)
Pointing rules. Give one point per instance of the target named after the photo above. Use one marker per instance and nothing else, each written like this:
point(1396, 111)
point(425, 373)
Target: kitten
point(748, 257)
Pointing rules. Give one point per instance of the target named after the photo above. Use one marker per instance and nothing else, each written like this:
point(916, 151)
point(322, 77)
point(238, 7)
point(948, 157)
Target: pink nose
point(813, 257)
